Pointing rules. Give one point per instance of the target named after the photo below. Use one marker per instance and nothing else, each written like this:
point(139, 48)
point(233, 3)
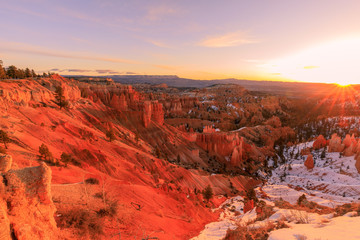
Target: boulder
point(357, 163)
point(28, 200)
point(309, 163)
point(335, 144)
point(5, 162)
point(249, 205)
point(320, 142)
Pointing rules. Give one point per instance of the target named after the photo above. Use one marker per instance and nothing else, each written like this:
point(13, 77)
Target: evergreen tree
point(207, 193)
point(20, 73)
point(4, 138)
point(60, 98)
point(33, 74)
point(11, 71)
point(2, 71)
point(110, 135)
point(323, 154)
point(27, 73)
point(251, 195)
point(45, 154)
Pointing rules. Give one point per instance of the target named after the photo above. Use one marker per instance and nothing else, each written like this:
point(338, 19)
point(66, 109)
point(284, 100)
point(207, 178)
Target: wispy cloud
point(159, 12)
point(98, 71)
point(17, 8)
point(78, 70)
point(310, 67)
point(227, 40)
point(37, 50)
point(158, 43)
point(107, 71)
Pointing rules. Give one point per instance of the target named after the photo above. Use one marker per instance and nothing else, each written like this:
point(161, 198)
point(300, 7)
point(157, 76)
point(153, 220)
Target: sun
point(343, 85)
point(330, 62)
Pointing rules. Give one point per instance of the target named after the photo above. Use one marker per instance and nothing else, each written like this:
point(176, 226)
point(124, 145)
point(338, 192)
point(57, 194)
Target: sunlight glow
point(334, 62)
point(343, 85)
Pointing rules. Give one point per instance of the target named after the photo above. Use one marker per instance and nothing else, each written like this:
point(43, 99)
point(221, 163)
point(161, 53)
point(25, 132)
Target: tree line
point(12, 72)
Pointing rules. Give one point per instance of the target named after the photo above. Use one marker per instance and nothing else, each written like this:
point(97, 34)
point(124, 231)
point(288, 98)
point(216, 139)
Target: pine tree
point(11, 71)
point(207, 193)
point(60, 98)
point(2, 71)
point(33, 74)
point(20, 73)
point(45, 154)
point(4, 138)
point(110, 135)
point(27, 73)
point(323, 154)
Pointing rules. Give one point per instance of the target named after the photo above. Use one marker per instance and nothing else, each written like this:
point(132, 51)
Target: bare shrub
point(300, 217)
point(109, 210)
point(93, 181)
point(83, 220)
point(300, 237)
point(347, 207)
point(262, 233)
point(2, 150)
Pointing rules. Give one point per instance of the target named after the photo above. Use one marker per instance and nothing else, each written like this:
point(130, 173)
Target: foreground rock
point(309, 163)
point(27, 210)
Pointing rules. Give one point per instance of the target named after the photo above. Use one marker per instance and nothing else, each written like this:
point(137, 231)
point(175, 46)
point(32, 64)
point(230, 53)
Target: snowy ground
point(333, 181)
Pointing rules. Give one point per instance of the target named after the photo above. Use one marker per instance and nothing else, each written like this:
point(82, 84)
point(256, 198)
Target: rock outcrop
point(357, 163)
point(309, 162)
point(152, 111)
point(320, 142)
point(27, 210)
point(274, 122)
point(335, 144)
point(249, 205)
point(5, 162)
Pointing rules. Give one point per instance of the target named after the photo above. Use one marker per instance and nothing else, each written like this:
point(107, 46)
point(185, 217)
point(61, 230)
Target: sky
point(313, 41)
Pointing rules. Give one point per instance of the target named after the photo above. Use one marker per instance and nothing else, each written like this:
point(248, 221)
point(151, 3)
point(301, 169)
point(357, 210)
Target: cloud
point(107, 71)
point(227, 40)
point(98, 71)
point(37, 50)
point(78, 70)
point(158, 43)
point(158, 12)
point(310, 67)
point(17, 8)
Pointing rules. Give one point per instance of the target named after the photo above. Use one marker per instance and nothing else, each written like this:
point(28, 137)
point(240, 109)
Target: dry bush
point(109, 210)
point(307, 206)
point(2, 150)
point(262, 233)
point(93, 181)
point(299, 217)
point(84, 220)
point(300, 237)
point(98, 195)
point(347, 207)
point(267, 211)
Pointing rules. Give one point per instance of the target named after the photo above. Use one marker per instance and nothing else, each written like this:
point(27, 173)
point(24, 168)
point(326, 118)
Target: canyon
point(137, 158)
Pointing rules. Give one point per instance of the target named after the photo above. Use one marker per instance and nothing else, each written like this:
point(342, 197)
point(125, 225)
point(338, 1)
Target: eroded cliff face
point(126, 100)
point(132, 168)
point(27, 209)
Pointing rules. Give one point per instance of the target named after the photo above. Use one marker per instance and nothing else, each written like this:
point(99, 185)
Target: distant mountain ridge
point(290, 89)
